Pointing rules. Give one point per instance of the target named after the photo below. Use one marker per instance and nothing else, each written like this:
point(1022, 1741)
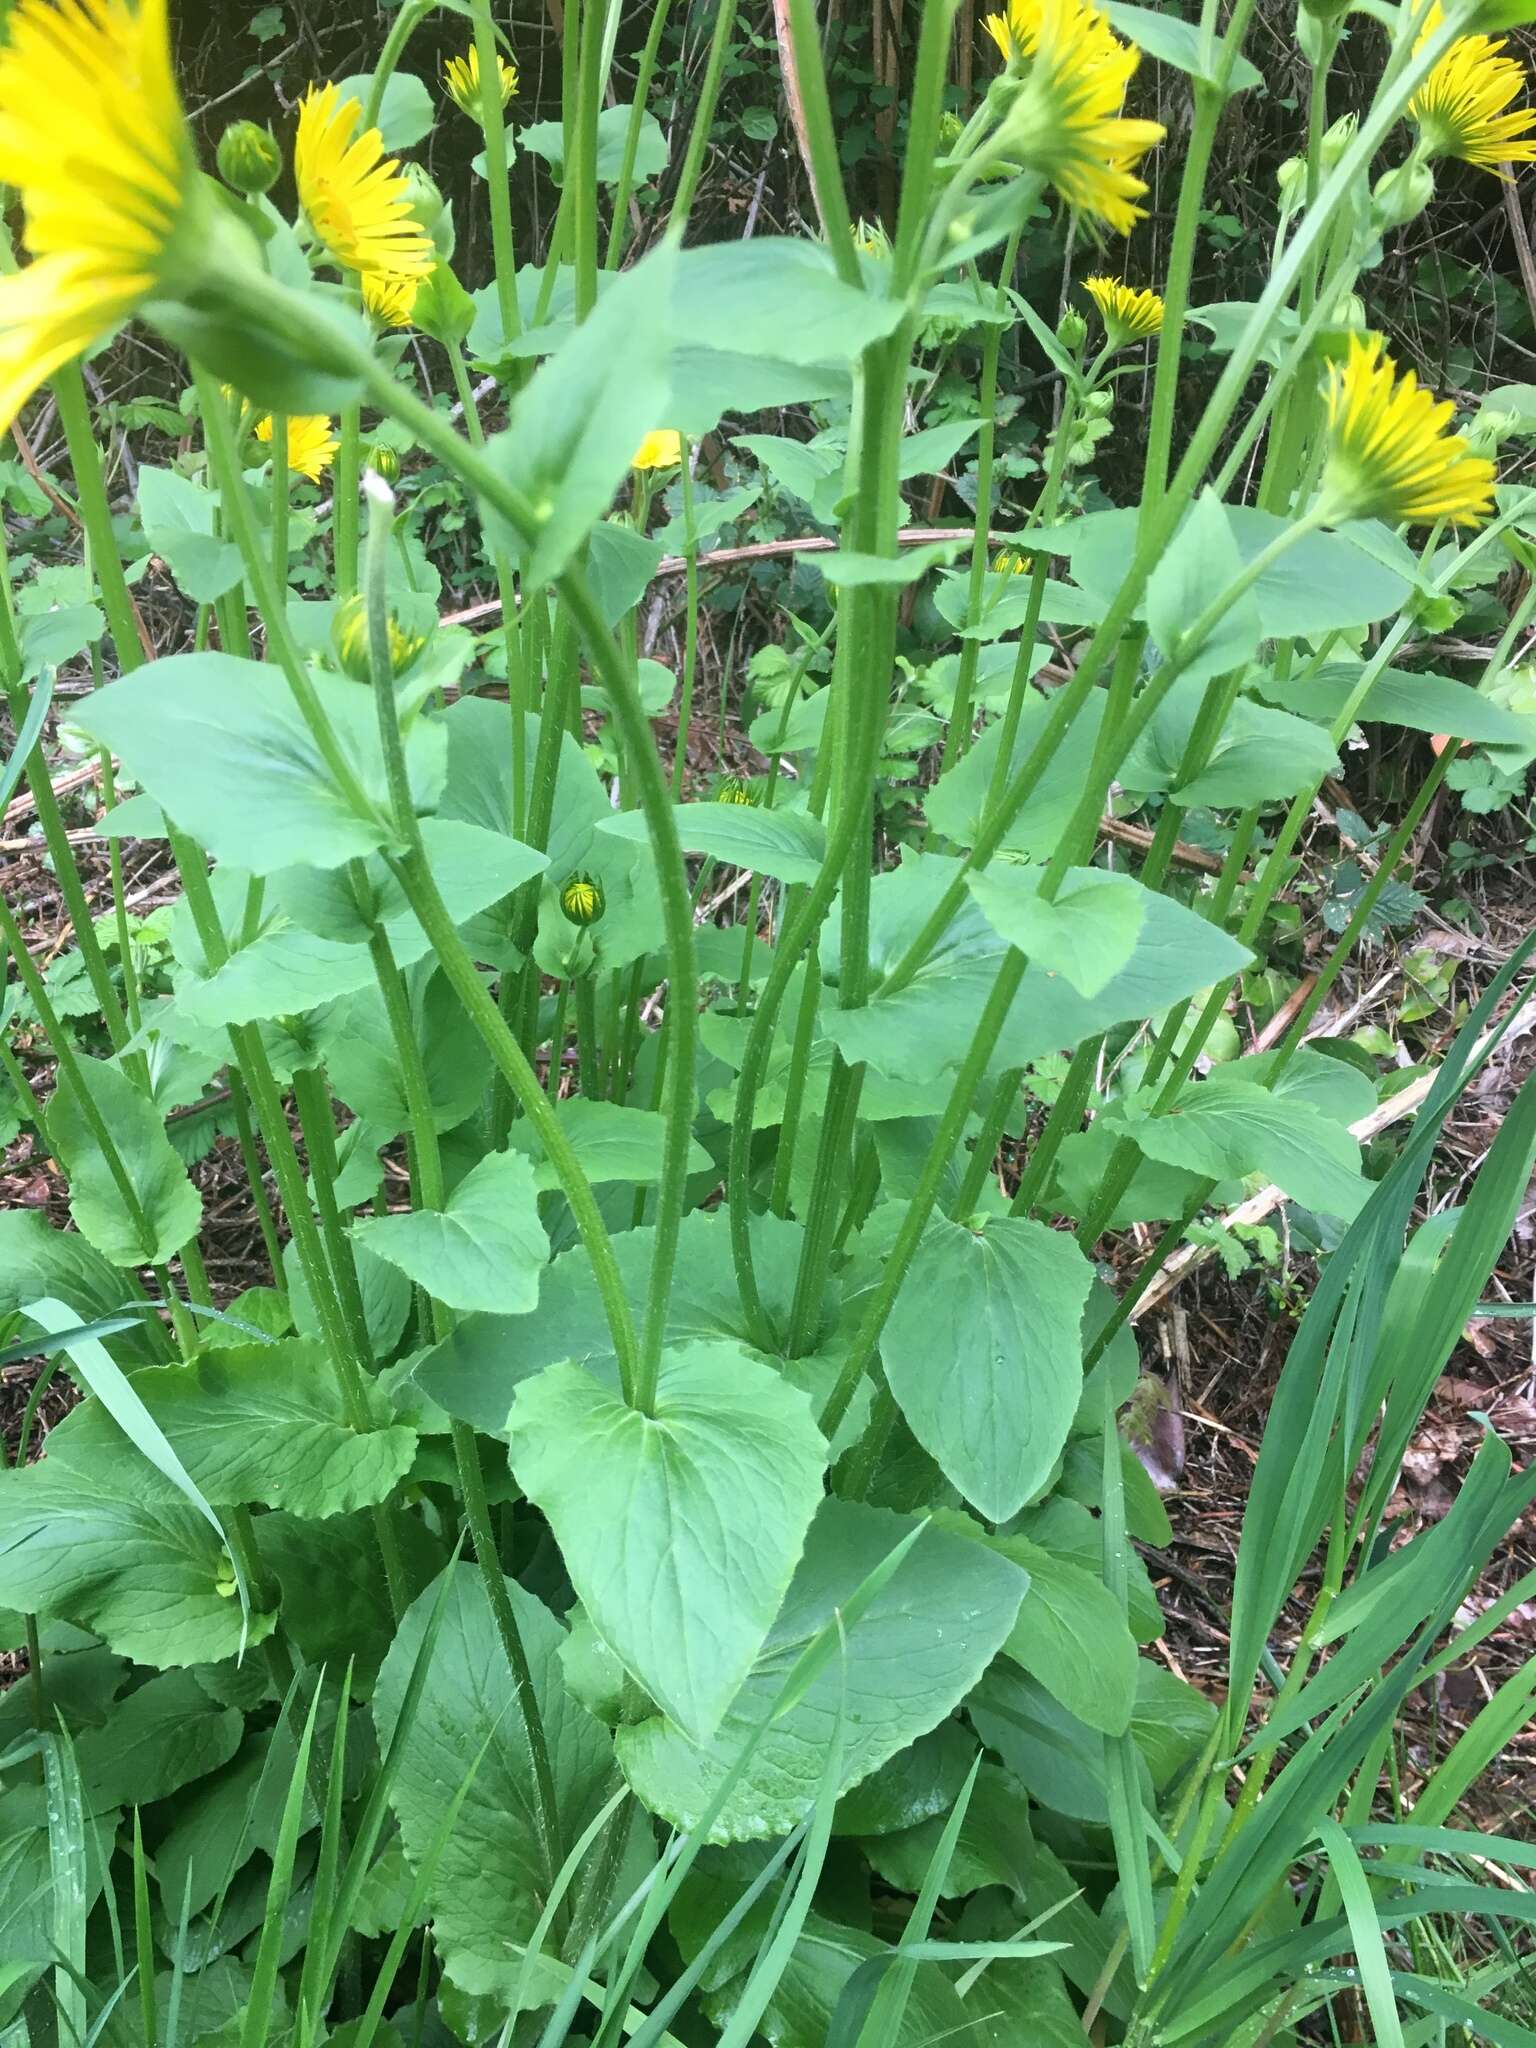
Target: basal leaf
point(1086, 934)
point(789, 845)
point(917, 1649)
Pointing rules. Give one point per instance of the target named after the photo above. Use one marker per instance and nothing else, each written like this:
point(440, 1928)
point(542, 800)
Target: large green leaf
point(283, 972)
point(161, 1737)
point(472, 866)
point(576, 425)
point(172, 1208)
point(252, 1423)
point(153, 1580)
point(490, 1882)
point(983, 1351)
point(778, 298)
point(1086, 934)
point(1195, 572)
point(385, 1290)
point(480, 781)
point(908, 1659)
point(37, 1261)
point(362, 1063)
point(1321, 583)
point(178, 520)
point(958, 800)
point(1399, 696)
point(611, 1141)
point(1258, 754)
point(220, 745)
point(1072, 1636)
point(475, 1372)
point(484, 1249)
point(679, 1528)
point(789, 845)
point(1228, 1125)
point(916, 1033)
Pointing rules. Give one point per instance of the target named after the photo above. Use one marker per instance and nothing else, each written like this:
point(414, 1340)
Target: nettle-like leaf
point(252, 1423)
point(908, 1659)
point(679, 1528)
point(79, 1540)
point(490, 1882)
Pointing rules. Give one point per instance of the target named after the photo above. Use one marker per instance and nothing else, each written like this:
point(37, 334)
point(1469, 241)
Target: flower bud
point(1401, 195)
point(430, 208)
point(1291, 178)
point(1336, 139)
point(581, 899)
point(349, 640)
point(249, 158)
point(1072, 330)
point(383, 461)
point(1096, 405)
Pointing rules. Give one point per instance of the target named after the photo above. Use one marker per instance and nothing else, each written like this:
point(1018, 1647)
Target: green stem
point(280, 489)
point(96, 516)
point(691, 639)
point(250, 1159)
point(958, 737)
point(703, 121)
point(493, 123)
point(344, 501)
point(821, 138)
point(626, 182)
point(401, 30)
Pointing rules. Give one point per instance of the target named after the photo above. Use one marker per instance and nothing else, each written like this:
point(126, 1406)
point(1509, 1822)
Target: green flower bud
point(581, 899)
point(1291, 179)
point(383, 461)
point(249, 158)
point(349, 641)
point(1072, 330)
point(1401, 195)
point(1337, 139)
point(430, 208)
point(1096, 405)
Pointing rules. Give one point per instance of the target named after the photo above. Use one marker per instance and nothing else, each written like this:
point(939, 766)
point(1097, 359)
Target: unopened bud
point(1336, 139)
point(581, 899)
point(1072, 330)
point(1291, 178)
point(349, 639)
point(383, 461)
point(249, 158)
point(1401, 195)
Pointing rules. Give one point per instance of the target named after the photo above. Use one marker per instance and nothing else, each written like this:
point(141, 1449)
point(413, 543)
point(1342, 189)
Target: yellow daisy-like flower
point(1128, 315)
point(355, 197)
point(93, 138)
point(311, 443)
point(1015, 31)
point(1009, 562)
point(1389, 455)
point(391, 299)
point(1067, 124)
point(461, 75)
point(661, 449)
point(1459, 109)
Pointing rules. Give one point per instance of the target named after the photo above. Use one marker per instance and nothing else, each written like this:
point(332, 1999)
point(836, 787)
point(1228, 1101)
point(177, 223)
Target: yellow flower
point(1459, 109)
point(1009, 562)
point(735, 789)
point(357, 200)
point(391, 299)
point(1128, 315)
point(1389, 456)
point(311, 444)
point(93, 138)
point(1066, 122)
point(461, 75)
point(1015, 32)
point(661, 449)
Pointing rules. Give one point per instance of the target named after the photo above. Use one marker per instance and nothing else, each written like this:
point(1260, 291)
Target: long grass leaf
point(1360, 1911)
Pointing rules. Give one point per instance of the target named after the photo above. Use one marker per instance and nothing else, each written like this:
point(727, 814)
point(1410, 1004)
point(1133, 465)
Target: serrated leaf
point(254, 1423)
point(917, 1649)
